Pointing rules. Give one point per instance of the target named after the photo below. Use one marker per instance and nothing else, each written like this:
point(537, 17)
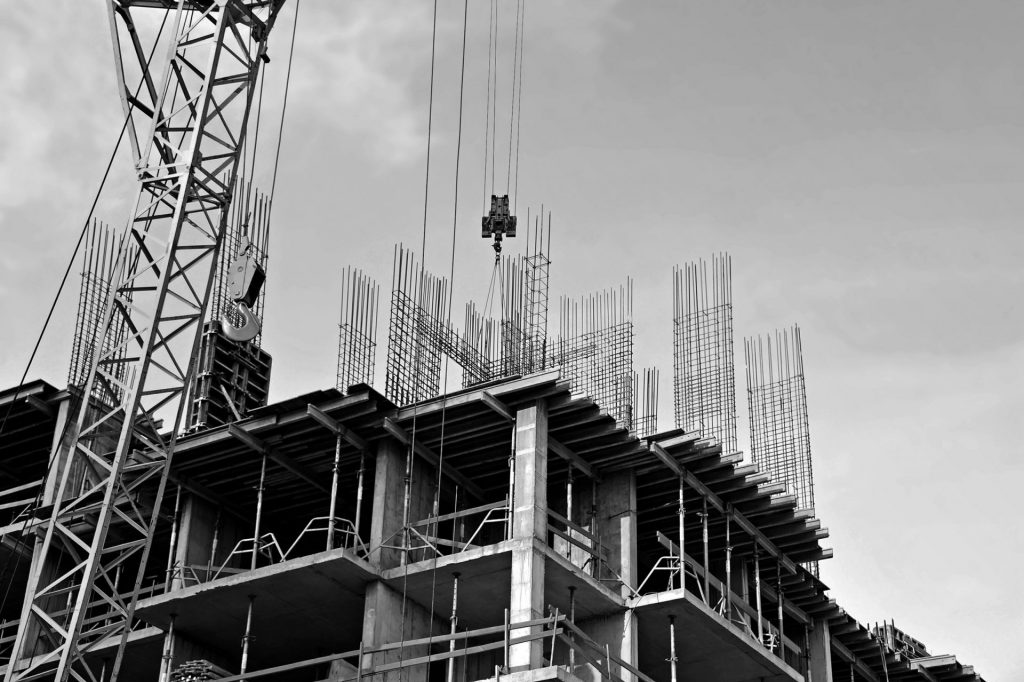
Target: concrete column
point(820, 652)
point(617, 528)
point(529, 523)
point(382, 624)
point(388, 497)
point(619, 632)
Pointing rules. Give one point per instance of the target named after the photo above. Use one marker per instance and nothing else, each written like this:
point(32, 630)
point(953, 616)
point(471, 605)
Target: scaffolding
point(780, 440)
point(98, 261)
point(705, 376)
point(357, 329)
point(595, 349)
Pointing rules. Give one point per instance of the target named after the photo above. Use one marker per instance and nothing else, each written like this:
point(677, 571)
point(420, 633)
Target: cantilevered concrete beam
point(431, 458)
point(862, 668)
point(338, 428)
point(573, 459)
point(280, 458)
point(715, 501)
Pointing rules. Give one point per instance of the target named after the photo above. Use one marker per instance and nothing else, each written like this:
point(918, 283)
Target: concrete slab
point(485, 576)
point(548, 674)
point(485, 582)
point(707, 646)
point(304, 607)
point(593, 598)
point(141, 655)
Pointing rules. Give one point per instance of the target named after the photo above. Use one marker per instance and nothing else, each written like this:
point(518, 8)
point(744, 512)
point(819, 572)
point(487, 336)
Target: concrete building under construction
point(162, 521)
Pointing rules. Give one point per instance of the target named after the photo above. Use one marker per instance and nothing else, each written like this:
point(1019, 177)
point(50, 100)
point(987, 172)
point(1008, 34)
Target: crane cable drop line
point(121, 443)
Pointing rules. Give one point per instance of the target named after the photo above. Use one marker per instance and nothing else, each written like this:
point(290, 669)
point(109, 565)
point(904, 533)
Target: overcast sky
point(863, 162)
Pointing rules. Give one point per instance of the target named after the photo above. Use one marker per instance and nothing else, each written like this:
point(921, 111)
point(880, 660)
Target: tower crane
point(93, 532)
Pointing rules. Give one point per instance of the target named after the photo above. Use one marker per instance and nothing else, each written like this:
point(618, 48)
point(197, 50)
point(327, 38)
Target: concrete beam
point(257, 445)
point(573, 459)
point(840, 649)
point(715, 501)
point(497, 406)
point(338, 428)
point(404, 437)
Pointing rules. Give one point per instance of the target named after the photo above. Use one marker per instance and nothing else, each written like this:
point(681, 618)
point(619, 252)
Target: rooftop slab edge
point(34, 388)
point(551, 673)
point(235, 579)
point(734, 633)
point(496, 389)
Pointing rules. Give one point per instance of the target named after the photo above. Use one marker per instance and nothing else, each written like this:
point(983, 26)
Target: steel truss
point(198, 109)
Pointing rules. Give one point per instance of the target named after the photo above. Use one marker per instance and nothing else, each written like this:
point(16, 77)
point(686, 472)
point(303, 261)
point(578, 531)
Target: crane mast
point(93, 531)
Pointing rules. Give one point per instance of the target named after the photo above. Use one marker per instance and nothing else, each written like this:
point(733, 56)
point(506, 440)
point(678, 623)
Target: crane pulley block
point(247, 277)
point(499, 221)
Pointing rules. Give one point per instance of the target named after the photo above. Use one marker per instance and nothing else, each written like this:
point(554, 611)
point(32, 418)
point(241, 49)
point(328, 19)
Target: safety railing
point(16, 506)
point(435, 535)
point(335, 528)
point(365, 663)
point(266, 546)
point(712, 591)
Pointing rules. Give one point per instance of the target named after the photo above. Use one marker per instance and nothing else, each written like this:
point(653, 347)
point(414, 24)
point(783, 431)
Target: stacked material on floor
point(198, 671)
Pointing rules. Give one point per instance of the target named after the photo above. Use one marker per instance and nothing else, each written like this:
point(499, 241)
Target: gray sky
point(861, 161)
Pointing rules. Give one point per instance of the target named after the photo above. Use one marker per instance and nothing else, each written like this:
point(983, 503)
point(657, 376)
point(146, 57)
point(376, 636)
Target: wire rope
point(487, 125)
point(451, 288)
point(284, 108)
point(512, 111)
point(60, 289)
point(418, 357)
point(519, 107)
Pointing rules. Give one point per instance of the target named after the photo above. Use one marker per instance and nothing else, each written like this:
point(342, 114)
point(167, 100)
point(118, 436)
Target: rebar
point(595, 349)
point(98, 260)
point(705, 376)
point(419, 302)
point(645, 402)
point(780, 441)
point(357, 329)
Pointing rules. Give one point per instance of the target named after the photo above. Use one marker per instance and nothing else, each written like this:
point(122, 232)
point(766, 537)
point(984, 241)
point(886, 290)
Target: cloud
point(354, 69)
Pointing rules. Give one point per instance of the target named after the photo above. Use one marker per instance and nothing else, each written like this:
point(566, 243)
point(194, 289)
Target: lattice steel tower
point(705, 374)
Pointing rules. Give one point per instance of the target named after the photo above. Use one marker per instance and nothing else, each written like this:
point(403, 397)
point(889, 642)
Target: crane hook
point(249, 330)
point(244, 284)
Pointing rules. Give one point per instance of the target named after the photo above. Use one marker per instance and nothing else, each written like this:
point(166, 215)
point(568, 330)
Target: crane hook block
point(244, 282)
point(499, 222)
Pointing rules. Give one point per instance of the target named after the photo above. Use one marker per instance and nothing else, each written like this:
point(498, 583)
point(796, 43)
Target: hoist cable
point(519, 105)
point(512, 111)
point(56, 299)
point(487, 124)
point(451, 288)
point(417, 362)
point(284, 107)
